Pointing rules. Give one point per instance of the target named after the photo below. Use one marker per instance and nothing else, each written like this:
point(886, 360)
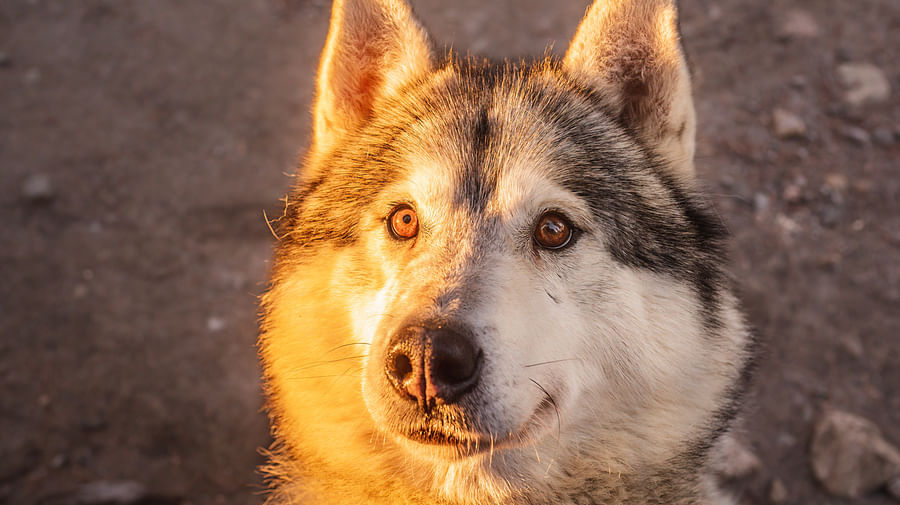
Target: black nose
point(433, 365)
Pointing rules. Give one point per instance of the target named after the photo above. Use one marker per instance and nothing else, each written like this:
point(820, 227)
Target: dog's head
point(488, 269)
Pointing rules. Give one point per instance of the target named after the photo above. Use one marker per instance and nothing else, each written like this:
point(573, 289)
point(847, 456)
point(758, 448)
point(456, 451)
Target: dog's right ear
point(630, 51)
point(373, 48)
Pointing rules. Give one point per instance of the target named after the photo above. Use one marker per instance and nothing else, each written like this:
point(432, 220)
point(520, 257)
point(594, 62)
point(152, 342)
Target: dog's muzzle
point(433, 364)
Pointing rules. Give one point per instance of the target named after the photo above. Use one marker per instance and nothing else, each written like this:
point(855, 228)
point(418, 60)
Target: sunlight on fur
point(494, 283)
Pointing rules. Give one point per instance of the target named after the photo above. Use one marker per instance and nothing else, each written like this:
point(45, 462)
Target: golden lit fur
point(640, 358)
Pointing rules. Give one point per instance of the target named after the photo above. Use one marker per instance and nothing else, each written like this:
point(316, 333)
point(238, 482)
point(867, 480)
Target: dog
point(495, 282)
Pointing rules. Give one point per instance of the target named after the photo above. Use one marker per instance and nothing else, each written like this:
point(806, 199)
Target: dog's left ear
point(629, 51)
point(373, 48)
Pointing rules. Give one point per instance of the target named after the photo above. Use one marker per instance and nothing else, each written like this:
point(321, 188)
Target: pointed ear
point(373, 48)
point(629, 50)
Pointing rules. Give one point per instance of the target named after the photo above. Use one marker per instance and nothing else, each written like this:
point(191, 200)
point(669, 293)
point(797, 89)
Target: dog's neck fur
point(578, 484)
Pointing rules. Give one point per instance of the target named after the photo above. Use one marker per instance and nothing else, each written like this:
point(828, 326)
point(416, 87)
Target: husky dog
point(494, 282)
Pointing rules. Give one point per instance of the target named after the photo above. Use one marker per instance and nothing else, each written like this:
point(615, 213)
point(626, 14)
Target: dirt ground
point(140, 142)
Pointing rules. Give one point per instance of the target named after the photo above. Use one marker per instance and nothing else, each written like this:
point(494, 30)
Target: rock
point(799, 81)
point(864, 83)
point(787, 124)
point(836, 181)
point(32, 76)
point(893, 487)
point(93, 423)
point(215, 324)
point(59, 460)
point(38, 189)
point(854, 346)
point(5, 60)
point(798, 24)
point(786, 224)
point(883, 136)
point(778, 493)
point(792, 193)
point(734, 461)
point(760, 202)
point(849, 457)
point(857, 135)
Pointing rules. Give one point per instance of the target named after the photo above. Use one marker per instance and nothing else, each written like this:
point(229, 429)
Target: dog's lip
point(439, 438)
point(471, 444)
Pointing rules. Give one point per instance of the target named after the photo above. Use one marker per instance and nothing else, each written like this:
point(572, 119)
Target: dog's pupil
point(407, 219)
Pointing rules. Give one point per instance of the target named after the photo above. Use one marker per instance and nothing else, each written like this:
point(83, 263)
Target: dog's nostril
point(455, 360)
point(401, 367)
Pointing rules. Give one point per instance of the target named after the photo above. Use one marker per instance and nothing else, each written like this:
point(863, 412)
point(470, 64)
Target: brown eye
point(553, 231)
point(403, 222)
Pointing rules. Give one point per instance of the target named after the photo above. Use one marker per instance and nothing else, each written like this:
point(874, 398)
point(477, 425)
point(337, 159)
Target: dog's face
point(489, 270)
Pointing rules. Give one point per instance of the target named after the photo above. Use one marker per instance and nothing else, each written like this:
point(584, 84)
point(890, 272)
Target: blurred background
point(141, 141)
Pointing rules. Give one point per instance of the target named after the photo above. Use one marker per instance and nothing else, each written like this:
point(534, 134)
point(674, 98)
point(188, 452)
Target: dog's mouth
point(438, 437)
point(449, 439)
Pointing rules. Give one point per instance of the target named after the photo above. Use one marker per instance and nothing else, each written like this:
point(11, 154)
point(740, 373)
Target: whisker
point(550, 362)
point(326, 376)
point(325, 362)
point(555, 407)
point(346, 345)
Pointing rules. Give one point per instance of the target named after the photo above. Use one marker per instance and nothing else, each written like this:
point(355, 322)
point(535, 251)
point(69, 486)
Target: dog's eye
point(553, 231)
point(403, 222)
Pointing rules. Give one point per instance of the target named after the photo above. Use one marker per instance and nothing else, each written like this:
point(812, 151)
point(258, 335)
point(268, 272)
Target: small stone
point(853, 345)
point(734, 461)
point(829, 260)
point(5, 60)
point(215, 324)
point(893, 487)
point(38, 189)
point(883, 136)
point(799, 81)
point(32, 76)
point(858, 225)
point(44, 400)
point(792, 193)
point(785, 439)
point(857, 135)
point(836, 181)
point(798, 24)
point(787, 124)
point(760, 202)
point(93, 423)
point(864, 83)
point(787, 224)
point(849, 457)
point(843, 53)
point(830, 215)
point(59, 461)
point(80, 291)
point(778, 493)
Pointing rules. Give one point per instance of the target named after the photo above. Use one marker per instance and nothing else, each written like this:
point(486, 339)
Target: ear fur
point(630, 51)
point(373, 48)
